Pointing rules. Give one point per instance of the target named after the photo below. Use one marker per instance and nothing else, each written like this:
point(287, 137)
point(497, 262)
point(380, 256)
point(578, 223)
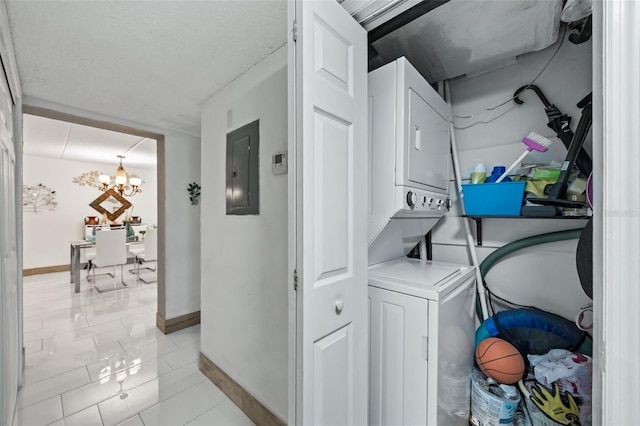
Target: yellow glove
point(552, 405)
point(536, 187)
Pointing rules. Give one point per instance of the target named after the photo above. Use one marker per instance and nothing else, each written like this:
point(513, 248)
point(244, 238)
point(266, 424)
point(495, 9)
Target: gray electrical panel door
point(243, 191)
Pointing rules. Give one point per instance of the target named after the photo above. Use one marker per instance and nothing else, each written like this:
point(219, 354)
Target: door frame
point(10, 67)
point(27, 108)
point(615, 385)
point(292, 187)
point(616, 230)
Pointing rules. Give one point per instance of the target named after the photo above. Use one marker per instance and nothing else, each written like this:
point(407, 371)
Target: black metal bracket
point(478, 221)
point(415, 251)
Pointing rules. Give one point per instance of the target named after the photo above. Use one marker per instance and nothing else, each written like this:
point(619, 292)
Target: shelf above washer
point(478, 220)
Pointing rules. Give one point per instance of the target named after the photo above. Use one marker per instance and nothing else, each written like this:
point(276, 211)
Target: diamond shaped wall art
point(124, 204)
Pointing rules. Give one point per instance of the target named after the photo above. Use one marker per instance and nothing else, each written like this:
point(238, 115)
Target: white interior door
point(329, 110)
point(9, 320)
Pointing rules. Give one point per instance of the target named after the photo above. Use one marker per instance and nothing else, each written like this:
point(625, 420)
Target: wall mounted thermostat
point(279, 163)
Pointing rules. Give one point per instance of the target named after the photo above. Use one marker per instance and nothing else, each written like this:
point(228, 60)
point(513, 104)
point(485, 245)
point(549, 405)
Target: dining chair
point(111, 250)
point(89, 255)
point(149, 253)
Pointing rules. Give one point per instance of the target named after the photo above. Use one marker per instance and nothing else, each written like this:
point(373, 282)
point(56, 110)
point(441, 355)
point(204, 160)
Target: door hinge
point(294, 32)
point(295, 280)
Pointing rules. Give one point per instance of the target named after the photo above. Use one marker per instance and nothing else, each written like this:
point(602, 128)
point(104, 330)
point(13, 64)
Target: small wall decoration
point(194, 193)
point(88, 179)
point(38, 197)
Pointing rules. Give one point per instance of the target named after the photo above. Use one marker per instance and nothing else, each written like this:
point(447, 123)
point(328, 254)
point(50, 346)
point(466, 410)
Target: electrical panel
point(243, 190)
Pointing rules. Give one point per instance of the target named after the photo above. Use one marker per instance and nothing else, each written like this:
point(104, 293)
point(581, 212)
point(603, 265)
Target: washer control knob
point(412, 198)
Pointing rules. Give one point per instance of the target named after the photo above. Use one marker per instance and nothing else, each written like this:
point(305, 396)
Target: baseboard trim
point(45, 270)
point(258, 413)
point(168, 326)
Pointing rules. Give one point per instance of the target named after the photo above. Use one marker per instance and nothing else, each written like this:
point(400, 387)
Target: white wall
point(544, 276)
point(182, 234)
point(244, 258)
point(47, 233)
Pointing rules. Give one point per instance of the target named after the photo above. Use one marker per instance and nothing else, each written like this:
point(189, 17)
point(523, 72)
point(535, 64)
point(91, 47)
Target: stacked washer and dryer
point(421, 312)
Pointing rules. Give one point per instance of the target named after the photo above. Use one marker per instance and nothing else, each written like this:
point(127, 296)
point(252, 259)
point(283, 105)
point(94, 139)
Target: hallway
point(98, 359)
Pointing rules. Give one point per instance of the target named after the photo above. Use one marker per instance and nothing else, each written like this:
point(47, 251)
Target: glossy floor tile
point(98, 359)
point(226, 413)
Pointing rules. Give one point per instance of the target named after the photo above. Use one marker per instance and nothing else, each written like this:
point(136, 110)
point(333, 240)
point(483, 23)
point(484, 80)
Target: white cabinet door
point(9, 320)
point(329, 111)
point(399, 367)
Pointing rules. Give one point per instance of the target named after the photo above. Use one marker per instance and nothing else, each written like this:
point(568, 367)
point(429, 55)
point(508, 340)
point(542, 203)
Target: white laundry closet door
point(9, 339)
point(330, 110)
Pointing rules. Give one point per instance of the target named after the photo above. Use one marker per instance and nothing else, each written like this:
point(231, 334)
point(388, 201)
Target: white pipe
point(470, 243)
point(423, 248)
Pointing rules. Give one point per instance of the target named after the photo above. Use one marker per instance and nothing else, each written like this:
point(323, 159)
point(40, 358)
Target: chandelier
point(124, 184)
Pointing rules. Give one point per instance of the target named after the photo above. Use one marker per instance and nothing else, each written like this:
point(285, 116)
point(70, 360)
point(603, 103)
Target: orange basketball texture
point(500, 360)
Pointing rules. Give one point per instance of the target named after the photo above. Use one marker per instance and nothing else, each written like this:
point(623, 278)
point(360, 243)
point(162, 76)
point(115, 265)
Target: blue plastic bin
point(493, 199)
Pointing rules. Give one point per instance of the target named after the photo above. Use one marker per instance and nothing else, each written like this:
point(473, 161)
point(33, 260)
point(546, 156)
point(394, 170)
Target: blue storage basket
point(493, 199)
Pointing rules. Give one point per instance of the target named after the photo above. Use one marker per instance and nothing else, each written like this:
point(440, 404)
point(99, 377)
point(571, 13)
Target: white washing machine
point(421, 342)
point(422, 322)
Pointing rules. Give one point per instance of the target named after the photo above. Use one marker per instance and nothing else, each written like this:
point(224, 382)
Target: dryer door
point(428, 150)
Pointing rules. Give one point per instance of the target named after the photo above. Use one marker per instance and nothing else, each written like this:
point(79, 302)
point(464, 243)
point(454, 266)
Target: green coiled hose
point(493, 258)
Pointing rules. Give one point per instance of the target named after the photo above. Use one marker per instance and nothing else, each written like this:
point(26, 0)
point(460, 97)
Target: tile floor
point(98, 359)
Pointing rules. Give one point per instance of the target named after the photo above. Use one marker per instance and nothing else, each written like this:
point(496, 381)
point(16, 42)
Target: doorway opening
point(64, 155)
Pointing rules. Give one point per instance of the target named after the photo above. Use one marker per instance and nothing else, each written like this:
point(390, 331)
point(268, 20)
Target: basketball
point(500, 360)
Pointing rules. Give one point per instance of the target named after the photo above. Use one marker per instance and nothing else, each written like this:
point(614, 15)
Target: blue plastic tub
point(493, 199)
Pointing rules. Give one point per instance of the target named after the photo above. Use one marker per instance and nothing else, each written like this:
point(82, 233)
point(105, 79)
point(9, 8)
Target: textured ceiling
point(151, 62)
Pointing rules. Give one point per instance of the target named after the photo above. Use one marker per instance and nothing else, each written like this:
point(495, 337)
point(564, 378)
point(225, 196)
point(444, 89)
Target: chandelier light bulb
point(121, 176)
